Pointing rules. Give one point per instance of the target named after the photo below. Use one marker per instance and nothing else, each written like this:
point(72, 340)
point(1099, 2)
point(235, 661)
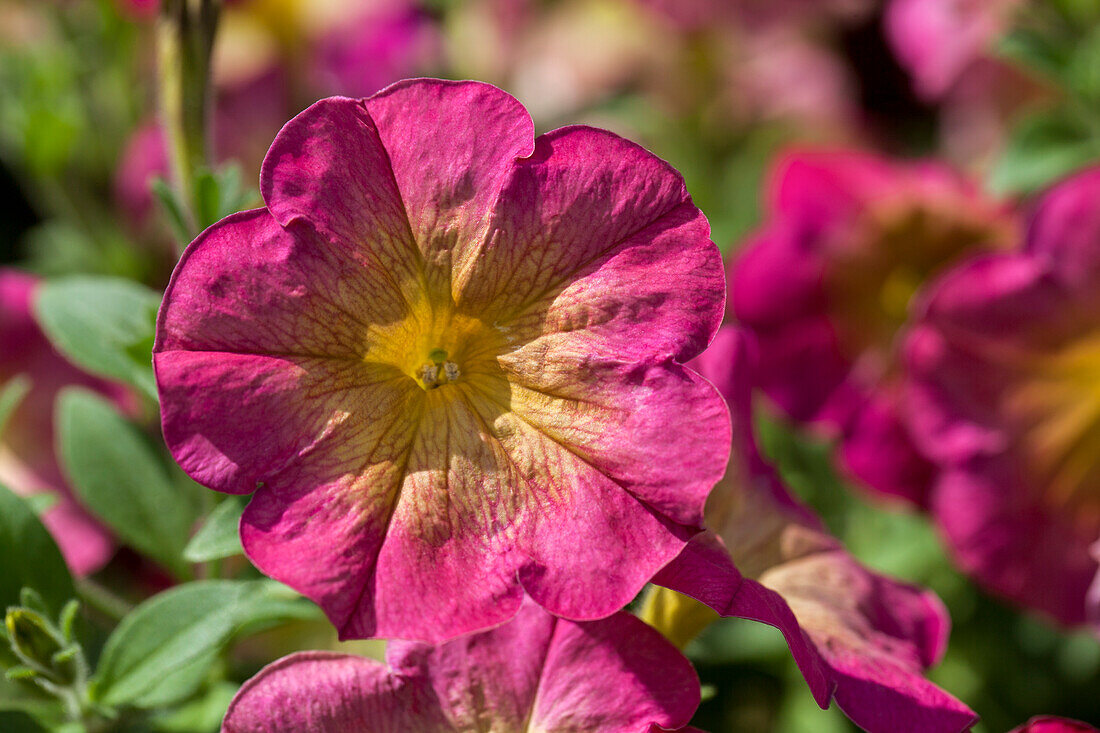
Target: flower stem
point(96, 597)
point(185, 39)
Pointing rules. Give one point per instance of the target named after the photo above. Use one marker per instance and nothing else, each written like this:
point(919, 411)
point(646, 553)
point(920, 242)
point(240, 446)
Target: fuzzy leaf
point(102, 324)
point(162, 651)
point(121, 479)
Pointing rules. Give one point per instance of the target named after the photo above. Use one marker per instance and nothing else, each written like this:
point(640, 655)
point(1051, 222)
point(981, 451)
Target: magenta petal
point(878, 450)
point(327, 692)
point(1001, 535)
point(616, 675)
point(474, 133)
point(1000, 398)
point(328, 167)
point(249, 286)
point(1052, 724)
point(1066, 227)
point(863, 642)
point(603, 675)
point(582, 237)
point(776, 279)
point(822, 189)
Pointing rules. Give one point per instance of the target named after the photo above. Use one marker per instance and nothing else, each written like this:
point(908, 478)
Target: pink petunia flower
point(858, 637)
point(447, 358)
point(939, 40)
point(28, 464)
point(536, 672)
point(826, 286)
point(1004, 363)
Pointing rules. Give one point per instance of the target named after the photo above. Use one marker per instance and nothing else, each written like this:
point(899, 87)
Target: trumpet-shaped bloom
point(1004, 369)
point(28, 464)
point(536, 672)
point(858, 637)
point(447, 358)
point(826, 286)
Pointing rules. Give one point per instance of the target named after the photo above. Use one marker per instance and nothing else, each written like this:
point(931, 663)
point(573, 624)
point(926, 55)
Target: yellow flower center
point(871, 283)
point(1058, 404)
point(437, 346)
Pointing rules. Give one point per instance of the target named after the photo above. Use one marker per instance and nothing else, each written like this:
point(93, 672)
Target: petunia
point(535, 672)
point(826, 286)
point(447, 357)
point(1003, 364)
point(858, 637)
point(28, 463)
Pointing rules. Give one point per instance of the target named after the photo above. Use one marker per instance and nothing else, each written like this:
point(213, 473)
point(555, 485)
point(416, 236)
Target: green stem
point(97, 597)
point(185, 39)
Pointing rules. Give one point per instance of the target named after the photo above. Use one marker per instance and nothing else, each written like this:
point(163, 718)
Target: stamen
point(429, 375)
point(435, 374)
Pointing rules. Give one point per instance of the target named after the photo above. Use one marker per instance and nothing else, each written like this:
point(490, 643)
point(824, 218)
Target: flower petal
point(613, 674)
point(451, 146)
point(449, 546)
point(327, 167)
point(584, 236)
point(536, 672)
point(331, 693)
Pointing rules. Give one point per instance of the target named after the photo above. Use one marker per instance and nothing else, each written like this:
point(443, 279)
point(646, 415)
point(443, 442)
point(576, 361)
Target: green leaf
point(219, 194)
point(163, 650)
point(11, 394)
point(204, 713)
point(1036, 49)
point(207, 199)
point(30, 556)
point(119, 476)
point(173, 209)
point(218, 537)
point(1083, 72)
point(103, 324)
point(1042, 149)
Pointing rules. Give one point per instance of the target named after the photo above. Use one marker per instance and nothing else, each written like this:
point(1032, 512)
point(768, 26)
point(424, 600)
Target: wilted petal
point(857, 636)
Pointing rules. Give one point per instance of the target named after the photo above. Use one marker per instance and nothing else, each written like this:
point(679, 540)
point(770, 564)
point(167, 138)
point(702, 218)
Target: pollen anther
point(436, 375)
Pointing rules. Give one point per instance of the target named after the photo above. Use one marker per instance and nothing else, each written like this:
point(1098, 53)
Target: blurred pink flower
point(1003, 369)
point(858, 637)
point(28, 464)
point(447, 357)
point(373, 49)
point(938, 40)
point(535, 672)
point(826, 286)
